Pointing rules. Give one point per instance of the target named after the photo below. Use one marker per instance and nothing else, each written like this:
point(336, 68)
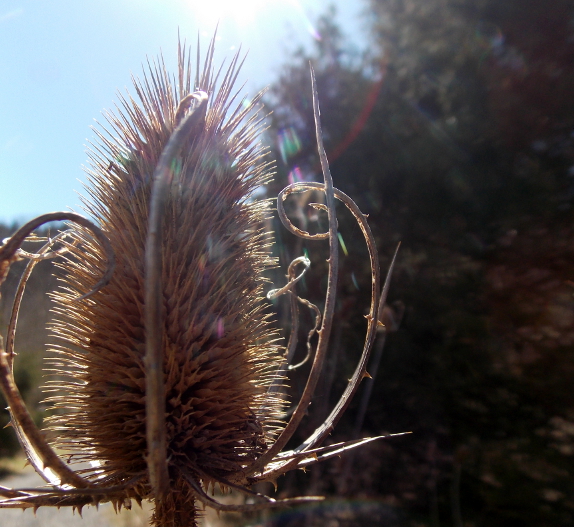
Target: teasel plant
point(167, 375)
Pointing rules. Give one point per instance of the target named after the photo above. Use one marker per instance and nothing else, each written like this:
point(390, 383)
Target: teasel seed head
point(220, 352)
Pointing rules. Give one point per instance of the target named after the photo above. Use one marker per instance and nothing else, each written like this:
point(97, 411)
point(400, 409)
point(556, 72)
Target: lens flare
point(288, 143)
point(295, 176)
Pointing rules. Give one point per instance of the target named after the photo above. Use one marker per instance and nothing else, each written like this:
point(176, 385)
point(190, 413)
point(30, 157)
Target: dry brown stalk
point(165, 374)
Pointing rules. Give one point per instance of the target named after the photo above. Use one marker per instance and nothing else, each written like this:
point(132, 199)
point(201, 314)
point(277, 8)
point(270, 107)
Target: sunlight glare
point(242, 13)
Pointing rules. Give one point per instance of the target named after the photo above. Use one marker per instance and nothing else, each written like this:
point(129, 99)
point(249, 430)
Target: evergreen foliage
point(467, 156)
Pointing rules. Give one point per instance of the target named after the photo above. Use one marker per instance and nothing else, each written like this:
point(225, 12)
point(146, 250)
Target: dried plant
point(166, 370)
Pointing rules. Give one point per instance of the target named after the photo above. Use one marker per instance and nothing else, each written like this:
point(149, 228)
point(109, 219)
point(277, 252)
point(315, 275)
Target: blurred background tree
point(456, 135)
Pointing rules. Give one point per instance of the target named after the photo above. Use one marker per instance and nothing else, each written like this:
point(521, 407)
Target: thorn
point(367, 375)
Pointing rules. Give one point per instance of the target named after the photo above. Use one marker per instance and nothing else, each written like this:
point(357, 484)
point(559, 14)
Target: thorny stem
point(54, 470)
point(9, 251)
point(290, 289)
point(31, 453)
point(75, 498)
point(34, 258)
point(314, 329)
point(372, 319)
point(325, 331)
point(274, 293)
point(274, 462)
point(360, 372)
point(289, 460)
point(42, 456)
point(155, 385)
point(269, 503)
point(119, 490)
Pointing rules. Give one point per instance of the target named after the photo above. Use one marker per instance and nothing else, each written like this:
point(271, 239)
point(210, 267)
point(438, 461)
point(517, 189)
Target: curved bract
point(166, 372)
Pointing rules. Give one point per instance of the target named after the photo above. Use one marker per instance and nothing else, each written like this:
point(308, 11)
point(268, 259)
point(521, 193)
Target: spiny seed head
point(219, 350)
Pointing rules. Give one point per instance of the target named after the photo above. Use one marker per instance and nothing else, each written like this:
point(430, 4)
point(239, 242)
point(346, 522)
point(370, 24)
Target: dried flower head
point(165, 371)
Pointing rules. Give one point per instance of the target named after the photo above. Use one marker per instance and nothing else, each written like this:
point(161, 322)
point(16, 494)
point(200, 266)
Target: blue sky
point(62, 63)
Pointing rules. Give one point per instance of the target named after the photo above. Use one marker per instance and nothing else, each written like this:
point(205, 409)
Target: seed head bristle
point(220, 352)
